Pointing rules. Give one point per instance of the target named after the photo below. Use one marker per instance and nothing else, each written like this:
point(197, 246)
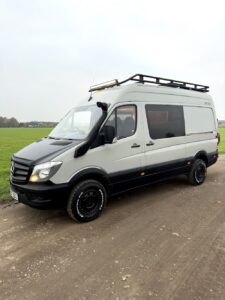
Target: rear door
point(165, 149)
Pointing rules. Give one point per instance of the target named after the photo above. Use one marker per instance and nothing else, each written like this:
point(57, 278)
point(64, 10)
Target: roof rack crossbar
point(166, 82)
point(154, 80)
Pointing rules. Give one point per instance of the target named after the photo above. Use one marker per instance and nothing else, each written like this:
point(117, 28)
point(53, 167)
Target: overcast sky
point(52, 51)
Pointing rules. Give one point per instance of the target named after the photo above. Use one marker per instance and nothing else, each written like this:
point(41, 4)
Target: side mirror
point(109, 134)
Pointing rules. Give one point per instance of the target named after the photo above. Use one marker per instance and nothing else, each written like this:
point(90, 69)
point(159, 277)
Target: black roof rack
point(155, 80)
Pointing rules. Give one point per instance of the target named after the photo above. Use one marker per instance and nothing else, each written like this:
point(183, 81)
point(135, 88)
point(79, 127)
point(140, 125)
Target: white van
point(122, 137)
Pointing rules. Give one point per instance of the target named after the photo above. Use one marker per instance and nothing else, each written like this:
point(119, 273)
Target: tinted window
point(123, 119)
point(111, 120)
point(165, 121)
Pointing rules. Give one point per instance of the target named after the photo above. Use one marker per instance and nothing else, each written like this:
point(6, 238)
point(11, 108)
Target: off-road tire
point(86, 201)
point(198, 172)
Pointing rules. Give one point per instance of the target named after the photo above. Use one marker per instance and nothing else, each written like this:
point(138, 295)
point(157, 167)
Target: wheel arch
point(91, 173)
point(203, 156)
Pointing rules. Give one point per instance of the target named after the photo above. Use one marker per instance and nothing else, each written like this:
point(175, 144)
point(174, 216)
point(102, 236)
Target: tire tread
point(74, 191)
point(191, 176)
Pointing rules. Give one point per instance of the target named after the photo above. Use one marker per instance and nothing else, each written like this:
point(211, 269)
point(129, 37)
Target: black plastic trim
point(41, 194)
point(38, 194)
point(89, 173)
point(130, 179)
point(212, 158)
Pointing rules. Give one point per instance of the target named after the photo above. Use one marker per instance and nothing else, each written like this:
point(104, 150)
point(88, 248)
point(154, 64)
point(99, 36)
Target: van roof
point(140, 92)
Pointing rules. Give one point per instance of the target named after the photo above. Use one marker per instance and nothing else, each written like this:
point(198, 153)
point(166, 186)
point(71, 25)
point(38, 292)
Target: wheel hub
point(90, 202)
point(200, 173)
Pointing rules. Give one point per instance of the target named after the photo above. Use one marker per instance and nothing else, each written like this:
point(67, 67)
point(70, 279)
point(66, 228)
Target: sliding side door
point(165, 149)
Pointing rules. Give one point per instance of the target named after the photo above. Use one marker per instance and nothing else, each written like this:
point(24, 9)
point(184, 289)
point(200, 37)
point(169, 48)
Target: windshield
point(78, 123)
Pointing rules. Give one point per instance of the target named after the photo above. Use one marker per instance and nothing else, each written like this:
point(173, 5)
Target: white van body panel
point(200, 127)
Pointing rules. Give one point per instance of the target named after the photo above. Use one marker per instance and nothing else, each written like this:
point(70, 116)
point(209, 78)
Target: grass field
point(222, 142)
point(13, 139)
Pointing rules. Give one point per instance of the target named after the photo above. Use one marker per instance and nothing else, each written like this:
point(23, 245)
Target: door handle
point(135, 145)
point(151, 143)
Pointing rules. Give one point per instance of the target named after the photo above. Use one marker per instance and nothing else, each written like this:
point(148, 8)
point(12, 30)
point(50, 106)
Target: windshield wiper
point(70, 139)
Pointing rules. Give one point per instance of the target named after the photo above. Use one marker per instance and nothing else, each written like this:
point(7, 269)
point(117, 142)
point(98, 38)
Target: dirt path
point(163, 242)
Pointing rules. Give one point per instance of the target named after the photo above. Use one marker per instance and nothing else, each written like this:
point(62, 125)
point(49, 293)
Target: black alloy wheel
point(198, 172)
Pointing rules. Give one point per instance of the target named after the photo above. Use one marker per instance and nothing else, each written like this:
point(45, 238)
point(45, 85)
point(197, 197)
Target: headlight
point(45, 171)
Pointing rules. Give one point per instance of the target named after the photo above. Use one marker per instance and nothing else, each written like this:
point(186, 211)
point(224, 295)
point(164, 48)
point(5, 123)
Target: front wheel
point(198, 172)
point(86, 201)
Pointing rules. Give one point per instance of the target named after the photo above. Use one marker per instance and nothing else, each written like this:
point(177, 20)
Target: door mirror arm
point(102, 139)
point(107, 135)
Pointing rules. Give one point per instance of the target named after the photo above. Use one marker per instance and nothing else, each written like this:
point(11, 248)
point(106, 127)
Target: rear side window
point(199, 120)
point(165, 121)
point(124, 120)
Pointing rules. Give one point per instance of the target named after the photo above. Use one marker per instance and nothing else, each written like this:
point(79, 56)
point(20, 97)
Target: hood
point(45, 149)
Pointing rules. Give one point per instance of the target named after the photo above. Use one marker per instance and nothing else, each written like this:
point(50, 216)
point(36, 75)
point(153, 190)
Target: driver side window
point(124, 120)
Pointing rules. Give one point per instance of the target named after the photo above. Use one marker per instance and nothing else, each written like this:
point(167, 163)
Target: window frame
point(115, 111)
point(170, 105)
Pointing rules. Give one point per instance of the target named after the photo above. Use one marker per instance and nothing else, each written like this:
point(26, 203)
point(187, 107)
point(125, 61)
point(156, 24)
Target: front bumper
point(41, 194)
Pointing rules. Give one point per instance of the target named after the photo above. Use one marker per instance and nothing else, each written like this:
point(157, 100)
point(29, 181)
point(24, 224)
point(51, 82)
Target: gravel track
point(166, 241)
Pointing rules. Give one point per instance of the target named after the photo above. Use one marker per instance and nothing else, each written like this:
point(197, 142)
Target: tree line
point(13, 123)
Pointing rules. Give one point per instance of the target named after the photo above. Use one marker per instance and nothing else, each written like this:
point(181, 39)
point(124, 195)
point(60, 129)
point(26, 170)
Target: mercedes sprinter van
point(127, 134)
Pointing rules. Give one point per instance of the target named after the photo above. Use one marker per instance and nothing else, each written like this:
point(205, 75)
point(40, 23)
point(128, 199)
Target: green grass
point(222, 141)
point(12, 140)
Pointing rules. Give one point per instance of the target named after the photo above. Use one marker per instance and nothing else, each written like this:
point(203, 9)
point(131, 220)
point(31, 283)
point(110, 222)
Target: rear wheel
point(198, 172)
point(86, 201)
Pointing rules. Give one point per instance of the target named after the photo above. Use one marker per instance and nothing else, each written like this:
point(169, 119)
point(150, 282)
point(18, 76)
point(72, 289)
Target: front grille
point(19, 172)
